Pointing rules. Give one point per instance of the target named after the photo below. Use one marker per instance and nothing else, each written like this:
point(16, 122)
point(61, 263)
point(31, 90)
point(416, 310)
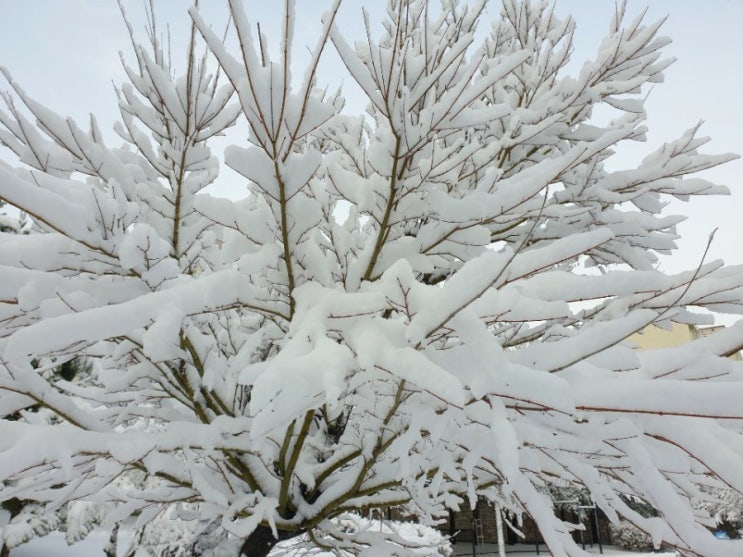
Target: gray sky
point(65, 53)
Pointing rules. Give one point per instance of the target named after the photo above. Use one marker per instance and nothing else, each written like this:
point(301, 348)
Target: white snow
point(54, 545)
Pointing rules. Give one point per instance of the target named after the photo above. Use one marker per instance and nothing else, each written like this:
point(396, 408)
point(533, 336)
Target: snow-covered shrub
point(166, 535)
point(31, 520)
point(725, 507)
point(352, 534)
point(8, 222)
point(628, 536)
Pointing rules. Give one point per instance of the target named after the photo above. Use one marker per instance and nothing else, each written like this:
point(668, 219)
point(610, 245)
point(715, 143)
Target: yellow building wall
point(655, 337)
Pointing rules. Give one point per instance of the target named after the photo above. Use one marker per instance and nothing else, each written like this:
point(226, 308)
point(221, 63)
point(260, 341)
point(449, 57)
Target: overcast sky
point(65, 53)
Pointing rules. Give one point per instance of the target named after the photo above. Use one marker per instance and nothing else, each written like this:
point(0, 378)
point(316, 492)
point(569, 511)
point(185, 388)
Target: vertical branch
point(384, 225)
point(284, 496)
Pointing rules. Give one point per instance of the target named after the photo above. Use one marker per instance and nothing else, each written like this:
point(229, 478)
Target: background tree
point(725, 506)
point(7, 222)
point(415, 306)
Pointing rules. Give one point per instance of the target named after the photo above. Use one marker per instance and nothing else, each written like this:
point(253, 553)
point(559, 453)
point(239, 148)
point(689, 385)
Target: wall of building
point(653, 337)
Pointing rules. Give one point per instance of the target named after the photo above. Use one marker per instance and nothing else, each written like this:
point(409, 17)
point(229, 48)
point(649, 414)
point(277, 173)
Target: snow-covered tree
point(725, 506)
point(7, 222)
point(628, 536)
point(416, 306)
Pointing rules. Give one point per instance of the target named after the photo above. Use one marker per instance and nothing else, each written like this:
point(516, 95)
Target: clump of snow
point(410, 538)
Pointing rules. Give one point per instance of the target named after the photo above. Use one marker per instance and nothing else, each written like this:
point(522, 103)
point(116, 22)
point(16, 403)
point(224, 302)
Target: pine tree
point(7, 222)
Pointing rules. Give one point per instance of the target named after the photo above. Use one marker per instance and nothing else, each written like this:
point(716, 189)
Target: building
point(656, 337)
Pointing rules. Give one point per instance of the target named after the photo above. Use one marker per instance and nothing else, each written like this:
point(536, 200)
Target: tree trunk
point(111, 549)
point(261, 541)
point(499, 524)
point(4, 550)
